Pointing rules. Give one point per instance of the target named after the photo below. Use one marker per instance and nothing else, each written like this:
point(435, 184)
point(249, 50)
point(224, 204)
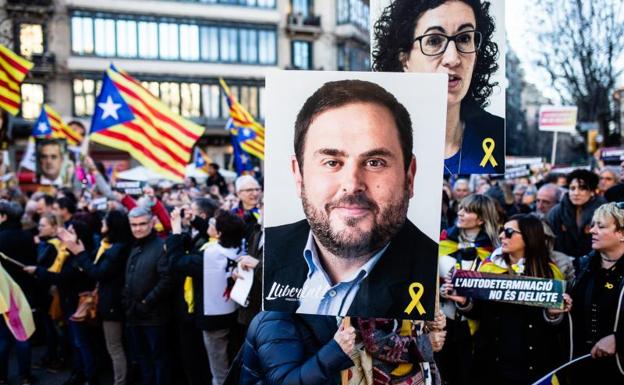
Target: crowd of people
point(163, 264)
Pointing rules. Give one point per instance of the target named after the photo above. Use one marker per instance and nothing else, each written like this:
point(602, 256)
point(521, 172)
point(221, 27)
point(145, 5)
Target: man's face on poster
point(50, 160)
point(353, 183)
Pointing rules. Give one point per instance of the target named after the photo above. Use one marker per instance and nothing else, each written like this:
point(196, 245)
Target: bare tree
point(579, 44)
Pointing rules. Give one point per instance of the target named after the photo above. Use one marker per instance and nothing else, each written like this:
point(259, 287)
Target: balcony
point(30, 5)
point(45, 64)
point(297, 23)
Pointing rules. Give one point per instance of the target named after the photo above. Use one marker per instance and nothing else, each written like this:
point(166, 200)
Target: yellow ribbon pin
point(415, 303)
point(488, 148)
point(609, 285)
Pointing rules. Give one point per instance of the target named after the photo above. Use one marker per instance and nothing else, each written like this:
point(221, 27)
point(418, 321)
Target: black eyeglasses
point(508, 232)
point(434, 44)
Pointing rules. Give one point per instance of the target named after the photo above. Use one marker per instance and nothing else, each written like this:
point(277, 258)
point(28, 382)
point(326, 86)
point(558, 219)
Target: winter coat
point(292, 349)
point(19, 245)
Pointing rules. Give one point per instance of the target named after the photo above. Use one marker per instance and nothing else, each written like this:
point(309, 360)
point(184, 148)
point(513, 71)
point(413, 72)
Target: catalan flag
point(200, 158)
point(13, 70)
point(551, 378)
point(250, 133)
point(50, 124)
point(14, 308)
point(128, 117)
point(242, 161)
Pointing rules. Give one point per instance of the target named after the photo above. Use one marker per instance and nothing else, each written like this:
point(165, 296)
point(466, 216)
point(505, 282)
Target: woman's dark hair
point(394, 35)
point(536, 251)
point(231, 227)
point(118, 227)
point(84, 234)
point(586, 179)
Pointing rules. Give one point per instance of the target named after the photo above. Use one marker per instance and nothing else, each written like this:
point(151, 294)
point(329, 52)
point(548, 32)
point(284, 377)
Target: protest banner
point(134, 188)
point(529, 291)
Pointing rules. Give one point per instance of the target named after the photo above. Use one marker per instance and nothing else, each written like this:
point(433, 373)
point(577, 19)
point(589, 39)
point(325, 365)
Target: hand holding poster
point(529, 291)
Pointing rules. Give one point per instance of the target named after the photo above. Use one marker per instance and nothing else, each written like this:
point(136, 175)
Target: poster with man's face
point(354, 162)
point(52, 162)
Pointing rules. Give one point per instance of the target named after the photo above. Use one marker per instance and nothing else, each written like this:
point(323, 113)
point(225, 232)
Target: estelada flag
point(13, 70)
point(250, 134)
point(51, 125)
point(130, 118)
point(14, 308)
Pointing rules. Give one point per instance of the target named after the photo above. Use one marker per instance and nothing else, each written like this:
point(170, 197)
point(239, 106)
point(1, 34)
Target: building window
point(301, 55)
point(245, 3)
point(301, 7)
point(190, 100)
point(30, 39)
point(32, 100)
point(353, 12)
point(124, 37)
point(353, 58)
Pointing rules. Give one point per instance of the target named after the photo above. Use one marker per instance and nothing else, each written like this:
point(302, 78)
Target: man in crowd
point(547, 197)
point(354, 254)
point(146, 298)
point(216, 179)
point(45, 204)
point(64, 208)
point(249, 192)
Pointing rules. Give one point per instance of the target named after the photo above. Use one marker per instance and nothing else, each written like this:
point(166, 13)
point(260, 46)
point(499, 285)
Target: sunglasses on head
point(509, 232)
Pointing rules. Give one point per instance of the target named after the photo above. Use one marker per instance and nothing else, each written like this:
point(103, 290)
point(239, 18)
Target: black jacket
point(188, 262)
point(514, 344)
point(109, 274)
point(411, 257)
point(570, 238)
point(292, 349)
point(19, 245)
point(147, 284)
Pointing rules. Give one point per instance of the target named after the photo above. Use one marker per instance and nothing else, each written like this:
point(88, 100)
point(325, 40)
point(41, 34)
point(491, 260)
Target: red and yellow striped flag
point(50, 124)
point(13, 70)
point(128, 117)
point(250, 133)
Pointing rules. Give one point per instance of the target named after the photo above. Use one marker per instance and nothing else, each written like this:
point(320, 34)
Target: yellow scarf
point(61, 255)
point(104, 245)
point(188, 282)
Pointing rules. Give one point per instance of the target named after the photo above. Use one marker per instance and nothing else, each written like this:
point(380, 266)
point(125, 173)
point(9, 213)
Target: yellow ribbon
point(415, 303)
point(488, 148)
point(609, 285)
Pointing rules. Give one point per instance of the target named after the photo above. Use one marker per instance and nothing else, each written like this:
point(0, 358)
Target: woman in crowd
point(71, 281)
point(516, 343)
point(598, 316)
point(570, 219)
point(464, 246)
point(212, 281)
point(107, 268)
point(607, 178)
point(416, 36)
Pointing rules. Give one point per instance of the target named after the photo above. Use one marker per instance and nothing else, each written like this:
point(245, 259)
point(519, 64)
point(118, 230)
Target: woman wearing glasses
point(516, 343)
point(598, 315)
point(416, 36)
point(464, 246)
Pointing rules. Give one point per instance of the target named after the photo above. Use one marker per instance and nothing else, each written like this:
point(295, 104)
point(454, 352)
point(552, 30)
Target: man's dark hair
point(586, 178)
point(232, 229)
point(79, 124)
point(69, 193)
point(215, 166)
point(12, 210)
point(340, 93)
point(68, 204)
point(394, 36)
point(207, 206)
point(47, 199)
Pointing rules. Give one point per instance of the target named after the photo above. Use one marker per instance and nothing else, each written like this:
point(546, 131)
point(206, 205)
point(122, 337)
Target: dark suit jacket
point(411, 257)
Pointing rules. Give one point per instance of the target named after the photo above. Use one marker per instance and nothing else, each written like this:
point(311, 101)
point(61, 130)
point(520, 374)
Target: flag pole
point(561, 367)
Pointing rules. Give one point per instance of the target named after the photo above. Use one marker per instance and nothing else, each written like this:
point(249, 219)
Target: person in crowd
point(416, 36)
point(517, 344)
point(464, 246)
point(216, 179)
point(18, 245)
point(249, 192)
point(570, 219)
point(45, 204)
point(107, 268)
point(461, 189)
point(217, 312)
point(547, 197)
point(64, 208)
point(564, 262)
point(300, 349)
point(607, 178)
point(71, 281)
point(598, 315)
point(146, 298)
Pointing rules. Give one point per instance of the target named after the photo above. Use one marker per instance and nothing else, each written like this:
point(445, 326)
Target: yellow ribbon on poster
point(488, 148)
point(415, 295)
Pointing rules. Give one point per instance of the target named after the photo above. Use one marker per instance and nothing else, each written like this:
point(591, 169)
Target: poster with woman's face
point(464, 41)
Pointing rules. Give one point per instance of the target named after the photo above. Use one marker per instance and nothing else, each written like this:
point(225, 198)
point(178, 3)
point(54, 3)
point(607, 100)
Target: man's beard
point(386, 224)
